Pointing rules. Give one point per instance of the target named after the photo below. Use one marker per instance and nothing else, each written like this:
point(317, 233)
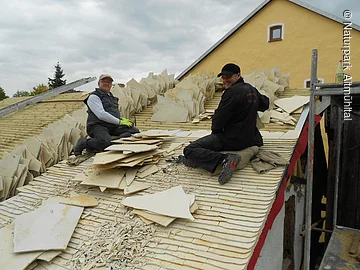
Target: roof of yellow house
point(251, 15)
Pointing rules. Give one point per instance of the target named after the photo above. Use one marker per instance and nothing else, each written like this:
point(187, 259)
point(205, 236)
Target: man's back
point(234, 121)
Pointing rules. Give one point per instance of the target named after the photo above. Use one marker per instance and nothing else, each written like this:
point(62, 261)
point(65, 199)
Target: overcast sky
point(125, 38)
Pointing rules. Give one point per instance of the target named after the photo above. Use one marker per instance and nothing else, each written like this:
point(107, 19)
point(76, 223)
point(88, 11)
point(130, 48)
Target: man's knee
point(188, 150)
point(134, 130)
point(97, 144)
point(104, 143)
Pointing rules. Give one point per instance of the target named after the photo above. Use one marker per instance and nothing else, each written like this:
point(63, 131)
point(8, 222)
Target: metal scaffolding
point(316, 89)
point(45, 95)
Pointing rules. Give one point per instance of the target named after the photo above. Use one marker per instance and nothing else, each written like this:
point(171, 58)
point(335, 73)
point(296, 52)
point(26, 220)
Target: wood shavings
point(115, 245)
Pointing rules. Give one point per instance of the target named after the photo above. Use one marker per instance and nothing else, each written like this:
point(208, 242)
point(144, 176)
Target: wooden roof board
point(229, 219)
point(30, 121)
point(232, 209)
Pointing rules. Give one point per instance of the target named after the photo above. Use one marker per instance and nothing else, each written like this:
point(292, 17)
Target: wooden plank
point(349, 186)
point(355, 243)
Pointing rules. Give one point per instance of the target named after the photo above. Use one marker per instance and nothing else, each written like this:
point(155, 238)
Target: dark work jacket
point(110, 104)
point(234, 121)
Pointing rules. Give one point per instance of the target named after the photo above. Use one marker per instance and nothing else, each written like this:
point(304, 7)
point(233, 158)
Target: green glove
point(125, 122)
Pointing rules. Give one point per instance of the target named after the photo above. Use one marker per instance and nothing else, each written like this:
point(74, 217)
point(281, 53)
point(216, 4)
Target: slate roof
point(227, 224)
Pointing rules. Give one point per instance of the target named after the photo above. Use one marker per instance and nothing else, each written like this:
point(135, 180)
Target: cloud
point(124, 38)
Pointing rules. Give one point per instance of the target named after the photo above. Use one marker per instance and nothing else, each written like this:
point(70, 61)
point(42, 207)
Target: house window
point(275, 32)
point(307, 82)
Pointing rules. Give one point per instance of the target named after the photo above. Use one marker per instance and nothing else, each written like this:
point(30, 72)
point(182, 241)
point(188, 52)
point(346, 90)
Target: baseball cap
point(103, 76)
point(229, 69)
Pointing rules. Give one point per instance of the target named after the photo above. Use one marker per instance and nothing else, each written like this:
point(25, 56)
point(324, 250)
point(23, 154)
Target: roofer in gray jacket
point(104, 119)
point(233, 126)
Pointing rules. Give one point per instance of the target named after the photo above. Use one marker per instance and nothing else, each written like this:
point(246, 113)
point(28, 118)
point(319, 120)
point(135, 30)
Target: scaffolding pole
point(327, 89)
point(45, 95)
point(310, 159)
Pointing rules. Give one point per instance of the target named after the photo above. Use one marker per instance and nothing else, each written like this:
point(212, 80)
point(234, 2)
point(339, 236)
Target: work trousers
point(101, 136)
point(205, 152)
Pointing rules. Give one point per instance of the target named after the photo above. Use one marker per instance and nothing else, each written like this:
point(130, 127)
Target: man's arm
point(263, 102)
point(223, 113)
point(97, 108)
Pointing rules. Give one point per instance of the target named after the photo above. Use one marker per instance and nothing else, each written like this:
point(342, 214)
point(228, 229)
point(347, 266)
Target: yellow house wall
point(304, 30)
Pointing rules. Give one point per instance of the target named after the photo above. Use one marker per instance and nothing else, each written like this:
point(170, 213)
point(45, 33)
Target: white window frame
point(320, 80)
point(282, 31)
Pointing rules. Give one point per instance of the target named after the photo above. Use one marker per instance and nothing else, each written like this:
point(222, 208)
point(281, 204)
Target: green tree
point(57, 80)
point(2, 94)
point(21, 94)
point(41, 88)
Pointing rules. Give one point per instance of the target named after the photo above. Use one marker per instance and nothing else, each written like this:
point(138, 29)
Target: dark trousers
point(205, 152)
point(101, 136)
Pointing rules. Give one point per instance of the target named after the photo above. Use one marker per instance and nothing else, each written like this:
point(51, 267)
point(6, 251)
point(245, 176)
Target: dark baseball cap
point(229, 69)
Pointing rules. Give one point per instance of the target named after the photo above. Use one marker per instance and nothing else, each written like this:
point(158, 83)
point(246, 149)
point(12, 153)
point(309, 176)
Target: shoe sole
point(228, 172)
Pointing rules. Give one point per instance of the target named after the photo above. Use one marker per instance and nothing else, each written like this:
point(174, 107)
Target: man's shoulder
point(242, 88)
point(93, 96)
point(94, 93)
point(100, 94)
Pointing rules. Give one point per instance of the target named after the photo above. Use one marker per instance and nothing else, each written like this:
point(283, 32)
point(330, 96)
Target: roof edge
point(228, 34)
point(256, 10)
point(324, 13)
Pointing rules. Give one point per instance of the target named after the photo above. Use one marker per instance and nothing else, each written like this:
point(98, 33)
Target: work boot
point(92, 151)
point(228, 167)
point(80, 146)
point(124, 135)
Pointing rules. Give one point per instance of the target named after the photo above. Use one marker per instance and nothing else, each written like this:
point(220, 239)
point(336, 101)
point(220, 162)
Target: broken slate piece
point(172, 202)
point(48, 227)
point(80, 200)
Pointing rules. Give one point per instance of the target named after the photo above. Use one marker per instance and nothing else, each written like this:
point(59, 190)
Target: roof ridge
point(248, 17)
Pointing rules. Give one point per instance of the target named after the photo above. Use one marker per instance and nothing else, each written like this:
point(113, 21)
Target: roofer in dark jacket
point(233, 126)
point(104, 119)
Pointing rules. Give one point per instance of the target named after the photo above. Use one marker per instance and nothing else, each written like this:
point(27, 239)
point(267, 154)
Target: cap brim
point(225, 73)
point(107, 77)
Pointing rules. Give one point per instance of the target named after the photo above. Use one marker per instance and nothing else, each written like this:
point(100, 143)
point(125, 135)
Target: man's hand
point(125, 122)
